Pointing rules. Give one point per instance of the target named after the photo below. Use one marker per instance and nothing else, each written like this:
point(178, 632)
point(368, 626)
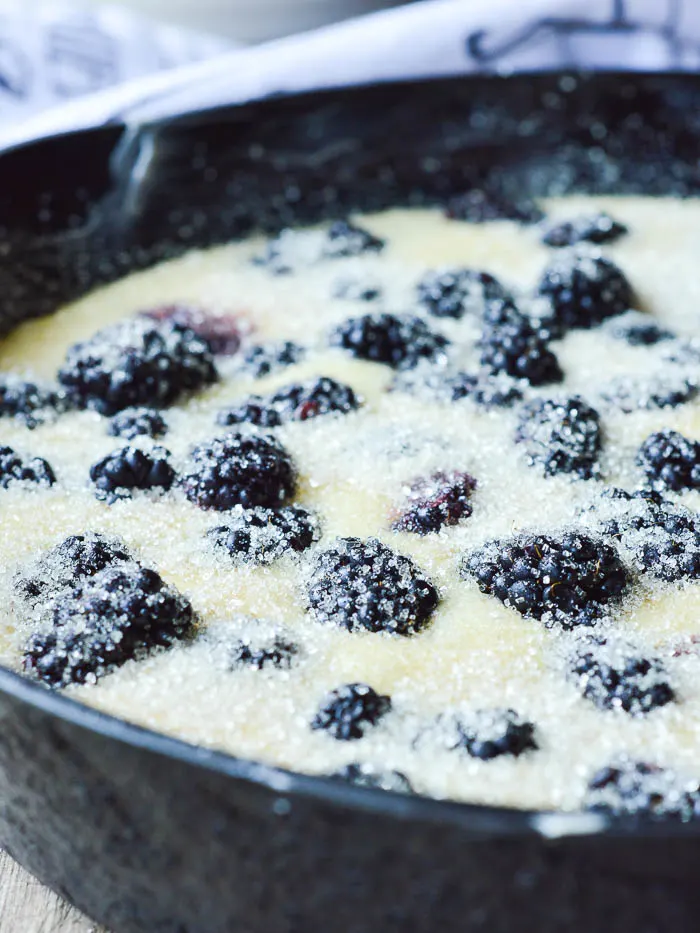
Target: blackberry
point(639, 330)
point(630, 394)
point(614, 676)
point(584, 289)
point(136, 362)
point(433, 502)
point(279, 654)
point(14, 469)
point(670, 461)
point(636, 788)
point(344, 239)
point(364, 775)
point(512, 345)
point(589, 228)
point(266, 358)
point(481, 205)
point(240, 469)
point(120, 613)
point(222, 333)
point(349, 711)
point(135, 422)
point(400, 341)
point(117, 475)
point(568, 580)
point(456, 292)
point(365, 586)
point(487, 734)
point(297, 402)
point(659, 537)
point(261, 536)
point(66, 564)
point(28, 403)
point(560, 435)
point(354, 290)
point(486, 390)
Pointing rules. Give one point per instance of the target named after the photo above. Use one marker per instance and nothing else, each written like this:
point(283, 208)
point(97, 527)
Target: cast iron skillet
point(150, 835)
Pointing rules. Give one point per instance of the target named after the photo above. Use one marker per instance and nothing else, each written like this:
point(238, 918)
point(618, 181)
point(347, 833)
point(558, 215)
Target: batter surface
point(482, 690)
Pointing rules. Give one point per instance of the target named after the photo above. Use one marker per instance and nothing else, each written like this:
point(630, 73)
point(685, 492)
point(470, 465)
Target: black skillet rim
point(477, 820)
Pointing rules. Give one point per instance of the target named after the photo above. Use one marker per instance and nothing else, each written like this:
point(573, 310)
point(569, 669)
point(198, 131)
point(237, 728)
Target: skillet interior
point(97, 807)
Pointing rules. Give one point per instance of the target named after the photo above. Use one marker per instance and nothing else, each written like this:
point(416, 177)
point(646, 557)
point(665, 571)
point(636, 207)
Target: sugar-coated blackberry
point(568, 580)
point(222, 333)
point(265, 358)
point(357, 290)
point(589, 228)
point(436, 501)
point(400, 341)
point(362, 585)
point(118, 614)
point(456, 292)
point(364, 775)
point(584, 289)
point(486, 390)
point(63, 566)
point(657, 536)
point(240, 469)
point(670, 461)
point(347, 713)
point(511, 344)
point(560, 435)
point(136, 362)
point(261, 536)
point(28, 403)
point(117, 475)
point(297, 402)
point(344, 239)
point(14, 469)
point(136, 422)
point(278, 653)
point(630, 394)
point(636, 788)
point(615, 676)
point(639, 330)
point(481, 205)
point(487, 733)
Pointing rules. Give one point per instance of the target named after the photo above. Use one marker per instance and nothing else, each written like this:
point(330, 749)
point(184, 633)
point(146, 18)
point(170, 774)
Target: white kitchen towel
point(435, 37)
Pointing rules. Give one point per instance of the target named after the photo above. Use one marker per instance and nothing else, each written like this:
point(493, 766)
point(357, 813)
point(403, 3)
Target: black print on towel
point(562, 39)
point(80, 57)
point(15, 70)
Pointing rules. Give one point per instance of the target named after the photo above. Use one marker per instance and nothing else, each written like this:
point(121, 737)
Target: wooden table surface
point(28, 907)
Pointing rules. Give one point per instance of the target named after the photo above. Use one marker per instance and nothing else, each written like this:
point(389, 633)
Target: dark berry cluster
point(487, 733)
point(136, 362)
point(120, 473)
point(356, 290)
point(560, 435)
point(481, 205)
point(70, 561)
point(584, 289)
point(364, 775)
point(630, 394)
point(589, 228)
point(568, 580)
point(345, 239)
point(670, 461)
point(264, 358)
point(636, 788)
point(400, 341)
point(280, 653)
point(639, 330)
point(347, 713)
point(456, 292)
point(261, 536)
point(222, 333)
point(512, 344)
point(364, 585)
point(14, 469)
point(615, 676)
point(436, 501)
point(136, 422)
point(240, 469)
point(119, 613)
point(28, 403)
point(297, 402)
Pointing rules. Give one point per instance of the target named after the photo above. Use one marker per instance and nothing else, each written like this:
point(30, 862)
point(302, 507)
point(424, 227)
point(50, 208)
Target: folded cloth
point(435, 37)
